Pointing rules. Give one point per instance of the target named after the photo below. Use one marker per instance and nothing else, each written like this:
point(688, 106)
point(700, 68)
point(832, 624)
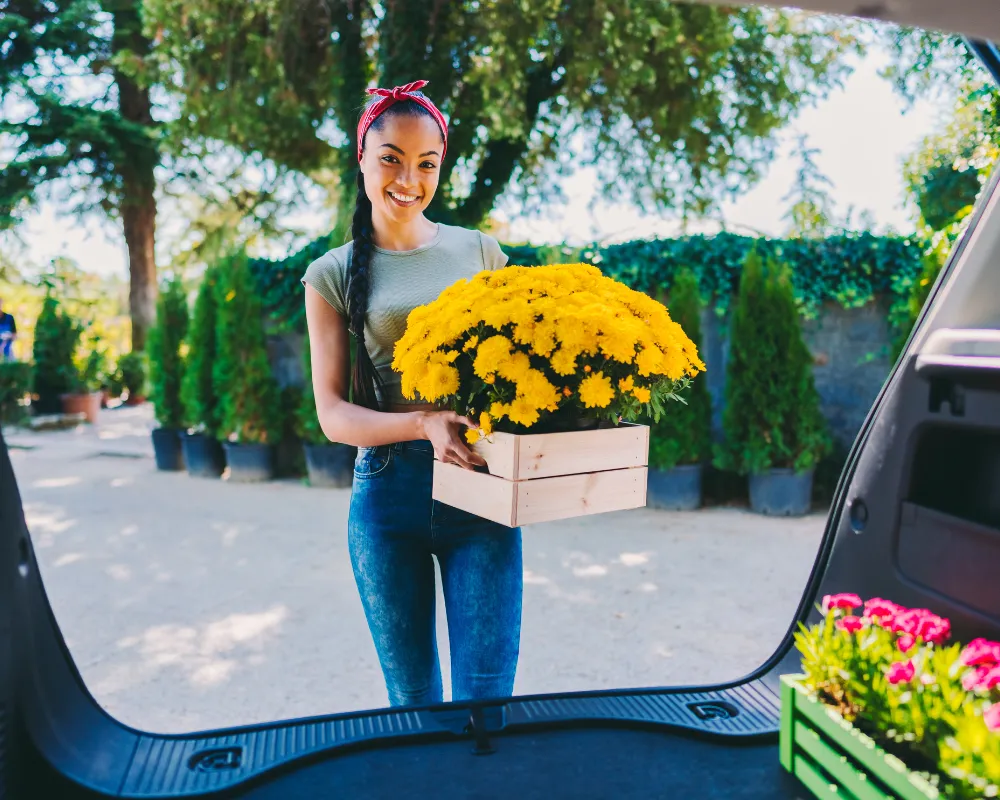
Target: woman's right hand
point(444, 431)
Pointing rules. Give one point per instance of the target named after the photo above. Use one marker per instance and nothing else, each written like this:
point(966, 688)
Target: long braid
point(366, 383)
point(365, 380)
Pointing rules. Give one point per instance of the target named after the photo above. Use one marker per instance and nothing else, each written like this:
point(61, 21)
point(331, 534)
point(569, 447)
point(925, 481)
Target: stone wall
point(850, 347)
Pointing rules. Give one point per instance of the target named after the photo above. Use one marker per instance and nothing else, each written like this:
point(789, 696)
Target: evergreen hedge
point(849, 269)
point(166, 367)
point(772, 416)
point(250, 410)
point(684, 433)
point(57, 336)
point(198, 393)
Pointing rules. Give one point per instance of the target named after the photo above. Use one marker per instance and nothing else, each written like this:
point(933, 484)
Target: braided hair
point(366, 384)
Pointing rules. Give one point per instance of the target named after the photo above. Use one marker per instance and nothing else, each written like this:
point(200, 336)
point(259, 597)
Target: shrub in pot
point(250, 416)
point(54, 374)
point(15, 388)
point(165, 372)
point(773, 429)
point(327, 463)
point(88, 392)
point(203, 452)
point(132, 374)
point(681, 440)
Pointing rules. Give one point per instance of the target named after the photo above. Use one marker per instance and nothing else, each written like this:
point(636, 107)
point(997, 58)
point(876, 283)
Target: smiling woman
point(398, 260)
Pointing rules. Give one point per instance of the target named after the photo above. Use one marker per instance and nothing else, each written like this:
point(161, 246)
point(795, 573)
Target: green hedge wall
point(850, 269)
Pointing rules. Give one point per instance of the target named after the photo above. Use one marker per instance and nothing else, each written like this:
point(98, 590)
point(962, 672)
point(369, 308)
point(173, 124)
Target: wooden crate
point(548, 476)
point(833, 759)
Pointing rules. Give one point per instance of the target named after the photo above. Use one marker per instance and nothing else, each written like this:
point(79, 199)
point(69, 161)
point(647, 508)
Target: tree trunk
point(139, 220)
point(138, 201)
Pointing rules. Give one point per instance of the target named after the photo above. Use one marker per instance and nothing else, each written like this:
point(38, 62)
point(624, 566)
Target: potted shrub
point(132, 374)
point(54, 374)
point(555, 364)
point(250, 418)
point(884, 707)
point(165, 373)
point(772, 425)
point(681, 441)
point(88, 393)
point(203, 453)
point(328, 463)
point(15, 389)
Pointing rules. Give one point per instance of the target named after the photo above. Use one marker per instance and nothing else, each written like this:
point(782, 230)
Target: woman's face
point(401, 164)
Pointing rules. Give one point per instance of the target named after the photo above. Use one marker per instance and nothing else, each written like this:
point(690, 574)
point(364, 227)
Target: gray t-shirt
point(401, 280)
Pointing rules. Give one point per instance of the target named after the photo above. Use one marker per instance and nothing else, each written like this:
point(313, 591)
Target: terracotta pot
point(138, 400)
point(88, 404)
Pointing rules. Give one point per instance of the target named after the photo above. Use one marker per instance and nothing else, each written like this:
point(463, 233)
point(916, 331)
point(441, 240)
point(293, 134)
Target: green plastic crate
point(834, 760)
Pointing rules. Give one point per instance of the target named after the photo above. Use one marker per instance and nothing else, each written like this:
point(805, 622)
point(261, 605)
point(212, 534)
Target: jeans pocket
point(371, 461)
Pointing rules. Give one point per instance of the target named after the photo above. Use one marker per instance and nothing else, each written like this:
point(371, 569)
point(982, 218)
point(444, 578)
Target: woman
point(397, 260)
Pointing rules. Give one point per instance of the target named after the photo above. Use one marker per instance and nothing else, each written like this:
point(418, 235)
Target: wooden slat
point(547, 499)
point(544, 455)
point(480, 494)
point(500, 453)
point(890, 771)
point(514, 503)
point(813, 780)
point(845, 771)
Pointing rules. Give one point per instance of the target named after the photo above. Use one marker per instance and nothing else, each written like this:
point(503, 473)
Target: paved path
point(194, 604)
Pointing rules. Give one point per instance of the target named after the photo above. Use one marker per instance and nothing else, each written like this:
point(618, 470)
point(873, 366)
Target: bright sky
point(861, 131)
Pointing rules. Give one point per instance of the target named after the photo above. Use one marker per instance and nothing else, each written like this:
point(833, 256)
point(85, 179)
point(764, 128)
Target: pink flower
point(921, 623)
point(980, 652)
point(990, 679)
point(992, 717)
point(905, 621)
point(850, 624)
point(972, 679)
point(877, 609)
point(934, 629)
point(843, 600)
point(900, 672)
point(906, 642)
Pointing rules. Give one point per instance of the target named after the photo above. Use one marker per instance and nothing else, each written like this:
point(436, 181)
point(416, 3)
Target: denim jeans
point(394, 529)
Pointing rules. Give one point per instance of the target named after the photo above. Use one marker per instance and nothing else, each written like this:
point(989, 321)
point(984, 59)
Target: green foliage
point(94, 367)
point(279, 283)
point(679, 102)
point(132, 374)
point(15, 384)
point(250, 411)
point(849, 270)
point(307, 427)
point(683, 434)
point(890, 671)
point(57, 336)
point(201, 403)
point(772, 417)
point(811, 211)
point(166, 365)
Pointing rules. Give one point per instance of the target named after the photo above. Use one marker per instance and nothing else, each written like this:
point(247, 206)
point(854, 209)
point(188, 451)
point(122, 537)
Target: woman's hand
point(443, 430)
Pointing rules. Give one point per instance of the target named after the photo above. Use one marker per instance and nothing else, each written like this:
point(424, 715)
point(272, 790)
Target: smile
point(404, 200)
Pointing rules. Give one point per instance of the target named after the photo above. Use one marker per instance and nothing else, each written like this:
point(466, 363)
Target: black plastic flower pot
point(330, 465)
point(676, 489)
point(781, 493)
point(167, 449)
point(203, 455)
point(249, 463)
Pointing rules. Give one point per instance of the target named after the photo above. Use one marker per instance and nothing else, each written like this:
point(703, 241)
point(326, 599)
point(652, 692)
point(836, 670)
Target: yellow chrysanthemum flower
point(641, 393)
point(596, 391)
point(523, 412)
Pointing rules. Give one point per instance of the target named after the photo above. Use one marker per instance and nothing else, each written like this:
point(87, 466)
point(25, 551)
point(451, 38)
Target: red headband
point(388, 97)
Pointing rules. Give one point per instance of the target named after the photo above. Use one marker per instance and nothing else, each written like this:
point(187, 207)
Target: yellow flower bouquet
point(544, 347)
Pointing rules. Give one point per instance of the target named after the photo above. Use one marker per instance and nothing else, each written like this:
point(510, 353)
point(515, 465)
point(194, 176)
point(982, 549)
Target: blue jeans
point(394, 528)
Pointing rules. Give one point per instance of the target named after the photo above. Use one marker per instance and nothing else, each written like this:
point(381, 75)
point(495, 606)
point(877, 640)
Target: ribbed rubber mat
point(178, 765)
point(748, 710)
